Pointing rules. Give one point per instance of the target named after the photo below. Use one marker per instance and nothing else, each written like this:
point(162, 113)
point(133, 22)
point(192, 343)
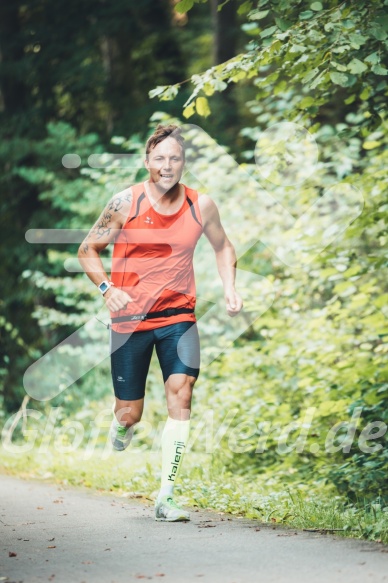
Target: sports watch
point(104, 286)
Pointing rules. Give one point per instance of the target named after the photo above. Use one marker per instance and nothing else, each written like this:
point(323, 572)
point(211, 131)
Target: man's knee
point(128, 415)
point(180, 387)
point(178, 382)
point(182, 399)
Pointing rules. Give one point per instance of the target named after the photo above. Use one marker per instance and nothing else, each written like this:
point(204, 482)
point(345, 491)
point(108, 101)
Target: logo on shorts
point(121, 380)
point(148, 221)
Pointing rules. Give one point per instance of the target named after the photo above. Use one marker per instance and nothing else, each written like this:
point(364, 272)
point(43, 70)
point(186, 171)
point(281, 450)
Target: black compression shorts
point(177, 348)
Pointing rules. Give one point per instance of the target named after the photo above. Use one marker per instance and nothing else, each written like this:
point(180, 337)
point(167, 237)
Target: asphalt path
point(71, 535)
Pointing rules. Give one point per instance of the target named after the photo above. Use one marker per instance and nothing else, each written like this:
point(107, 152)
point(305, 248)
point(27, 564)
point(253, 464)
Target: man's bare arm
point(101, 234)
point(224, 250)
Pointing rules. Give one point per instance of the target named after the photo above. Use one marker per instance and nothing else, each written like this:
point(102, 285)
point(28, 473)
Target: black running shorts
point(177, 348)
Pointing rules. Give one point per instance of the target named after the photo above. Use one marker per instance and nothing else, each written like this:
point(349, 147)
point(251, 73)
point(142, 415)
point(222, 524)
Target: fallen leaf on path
point(52, 547)
point(40, 508)
point(50, 540)
point(12, 554)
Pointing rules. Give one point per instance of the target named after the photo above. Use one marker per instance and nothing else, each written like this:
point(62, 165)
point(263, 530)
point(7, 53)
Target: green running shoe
point(120, 436)
point(166, 510)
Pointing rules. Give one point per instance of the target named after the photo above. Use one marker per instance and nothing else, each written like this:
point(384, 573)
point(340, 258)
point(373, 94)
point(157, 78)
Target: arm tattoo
point(101, 229)
point(117, 202)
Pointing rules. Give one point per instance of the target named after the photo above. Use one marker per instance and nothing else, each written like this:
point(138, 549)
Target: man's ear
point(147, 164)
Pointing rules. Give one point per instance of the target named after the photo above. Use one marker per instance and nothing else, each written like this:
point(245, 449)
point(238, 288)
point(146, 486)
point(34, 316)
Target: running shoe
point(168, 511)
point(120, 436)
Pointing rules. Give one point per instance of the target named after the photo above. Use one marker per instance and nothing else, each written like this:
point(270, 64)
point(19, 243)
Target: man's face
point(165, 164)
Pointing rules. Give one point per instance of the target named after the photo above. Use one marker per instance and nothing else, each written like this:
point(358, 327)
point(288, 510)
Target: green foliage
point(321, 66)
point(321, 345)
point(298, 48)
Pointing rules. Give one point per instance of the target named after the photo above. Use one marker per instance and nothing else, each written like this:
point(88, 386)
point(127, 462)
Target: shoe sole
point(180, 519)
point(122, 448)
point(119, 448)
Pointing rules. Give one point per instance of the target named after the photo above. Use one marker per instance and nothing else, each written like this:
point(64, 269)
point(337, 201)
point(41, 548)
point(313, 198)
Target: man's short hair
point(161, 133)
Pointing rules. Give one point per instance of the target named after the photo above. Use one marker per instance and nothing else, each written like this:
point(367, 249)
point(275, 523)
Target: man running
point(155, 226)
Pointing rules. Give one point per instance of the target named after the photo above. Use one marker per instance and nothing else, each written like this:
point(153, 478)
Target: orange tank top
point(153, 260)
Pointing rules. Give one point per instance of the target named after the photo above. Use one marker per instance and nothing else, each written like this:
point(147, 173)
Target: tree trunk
point(13, 90)
point(224, 105)
point(225, 30)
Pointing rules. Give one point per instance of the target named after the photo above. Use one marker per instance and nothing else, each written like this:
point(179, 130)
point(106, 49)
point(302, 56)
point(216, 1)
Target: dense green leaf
point(244, 8)
point(268, 31)
point(373, 58)
point(258, 15)
point(378, 32)
point(356, 66)
point(184, 6)
point(339, 78)
point(283, 24)
point(306, 14)
point(379, 70)
point(202, 106)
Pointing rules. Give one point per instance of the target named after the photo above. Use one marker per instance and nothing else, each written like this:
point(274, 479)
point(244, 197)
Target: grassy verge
point(204, 483)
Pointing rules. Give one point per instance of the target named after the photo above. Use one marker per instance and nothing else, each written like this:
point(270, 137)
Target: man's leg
point(179, 389)
point(126, 415)
point(180, 376)
point(128, 412)
point(130, 360)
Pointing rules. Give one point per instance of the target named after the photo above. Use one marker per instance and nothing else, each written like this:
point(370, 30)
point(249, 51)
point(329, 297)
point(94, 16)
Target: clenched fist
point(116, 299)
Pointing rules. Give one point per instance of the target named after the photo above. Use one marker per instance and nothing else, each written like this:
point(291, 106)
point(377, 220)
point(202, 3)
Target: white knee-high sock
point(174, 441)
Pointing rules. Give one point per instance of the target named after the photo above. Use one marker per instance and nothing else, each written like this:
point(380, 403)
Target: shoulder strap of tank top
point(191, 203)
point(138, 197)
